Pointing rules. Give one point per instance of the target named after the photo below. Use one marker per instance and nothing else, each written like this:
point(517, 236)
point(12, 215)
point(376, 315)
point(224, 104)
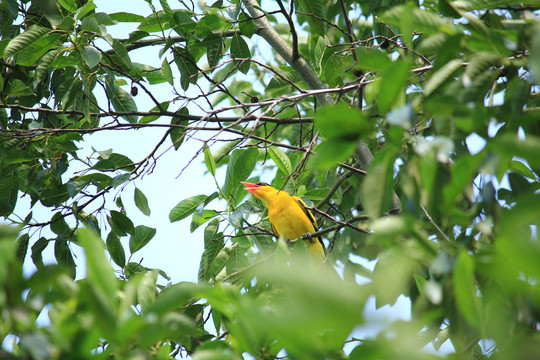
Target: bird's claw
point(308, 236)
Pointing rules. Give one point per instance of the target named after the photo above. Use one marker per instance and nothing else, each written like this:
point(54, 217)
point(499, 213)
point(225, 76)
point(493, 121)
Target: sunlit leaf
point(24, 40)
point(141, 236)
point(91, 56)
point(281, 159)
point(186, 207)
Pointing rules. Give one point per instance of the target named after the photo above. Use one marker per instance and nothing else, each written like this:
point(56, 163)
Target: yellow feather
point(290, 217)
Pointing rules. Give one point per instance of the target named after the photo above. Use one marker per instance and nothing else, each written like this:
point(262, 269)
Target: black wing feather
point(310, 217)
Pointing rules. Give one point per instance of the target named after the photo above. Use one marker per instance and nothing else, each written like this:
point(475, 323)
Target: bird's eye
point(262, 184)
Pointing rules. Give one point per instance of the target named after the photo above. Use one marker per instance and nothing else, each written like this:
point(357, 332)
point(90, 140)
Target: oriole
point(289, 217)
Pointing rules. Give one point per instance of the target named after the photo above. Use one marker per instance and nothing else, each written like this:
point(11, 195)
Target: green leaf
point(126, 17)
point(482, 62)
point(343, 127)
point(288, 77)
point(146, 290)
point(91, 56)
point(22, 246)
point(209, 160)
point(332, 151)
point(30, 55)
point(318, 194)
point(178, 134)
point(59, 225)
point(142, 202)
point(44, 65)
point(470, 5)
point(207, 24)
point(18, 156)
point(184, 22)
point(119, 180)
point(441, 75)
point(535, 55)
point(69, 5)
point(173, 297)
point(90, 24)
point(212, 247)
point(186, 207)
point(85, 10)
point(64, 257)
point(521, 168)
point(246, 25)
point(115, 161)
point(37, 250)
point(187, 66)
point(18, 88)
point(214, 49)
point(392, 275)
point(341, 121)
point(101, 283)
point(377, 189)
point(465, 288)
point(120, 99)
point(115, 249)
point(198, 220)
point(392, 85)
point(167, 71)
point(240, 50)
point(133, 268)
point(150, 118)
point(141, 237)
point(527, 149)
point(24, 40)
point(316, 8)
point(335, 68)
point(121, 224)
point(241, 165)
point(122, 53)
point(370, 59)
point(281, 159)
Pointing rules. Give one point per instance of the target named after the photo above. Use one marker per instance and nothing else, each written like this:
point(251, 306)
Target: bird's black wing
point(308, 213)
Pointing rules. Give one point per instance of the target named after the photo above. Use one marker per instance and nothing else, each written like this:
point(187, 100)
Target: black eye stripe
point(262, 184)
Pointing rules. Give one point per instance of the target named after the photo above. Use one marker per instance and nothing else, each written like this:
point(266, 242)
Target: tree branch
point(151, 42)
point(339, 225)
point(267, 32)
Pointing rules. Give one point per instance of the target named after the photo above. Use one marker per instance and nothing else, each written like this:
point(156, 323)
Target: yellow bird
point(289, 217)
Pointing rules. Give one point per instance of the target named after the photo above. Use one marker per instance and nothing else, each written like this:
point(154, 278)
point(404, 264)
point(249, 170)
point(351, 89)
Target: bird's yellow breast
point(290, 220)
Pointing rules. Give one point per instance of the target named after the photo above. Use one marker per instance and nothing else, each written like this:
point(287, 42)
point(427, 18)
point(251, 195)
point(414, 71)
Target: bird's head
point(261, 190)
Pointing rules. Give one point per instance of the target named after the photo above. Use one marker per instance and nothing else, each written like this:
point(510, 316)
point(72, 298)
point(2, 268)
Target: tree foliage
point(411, 128)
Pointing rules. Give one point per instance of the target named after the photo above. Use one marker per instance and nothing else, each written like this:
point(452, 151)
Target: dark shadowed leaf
point(142, 202)
point(377, 189)
point(116, 250)
point(209, 160)
point(121, 224)
point(241, 164)
point(240, 50)
point(213, 243)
